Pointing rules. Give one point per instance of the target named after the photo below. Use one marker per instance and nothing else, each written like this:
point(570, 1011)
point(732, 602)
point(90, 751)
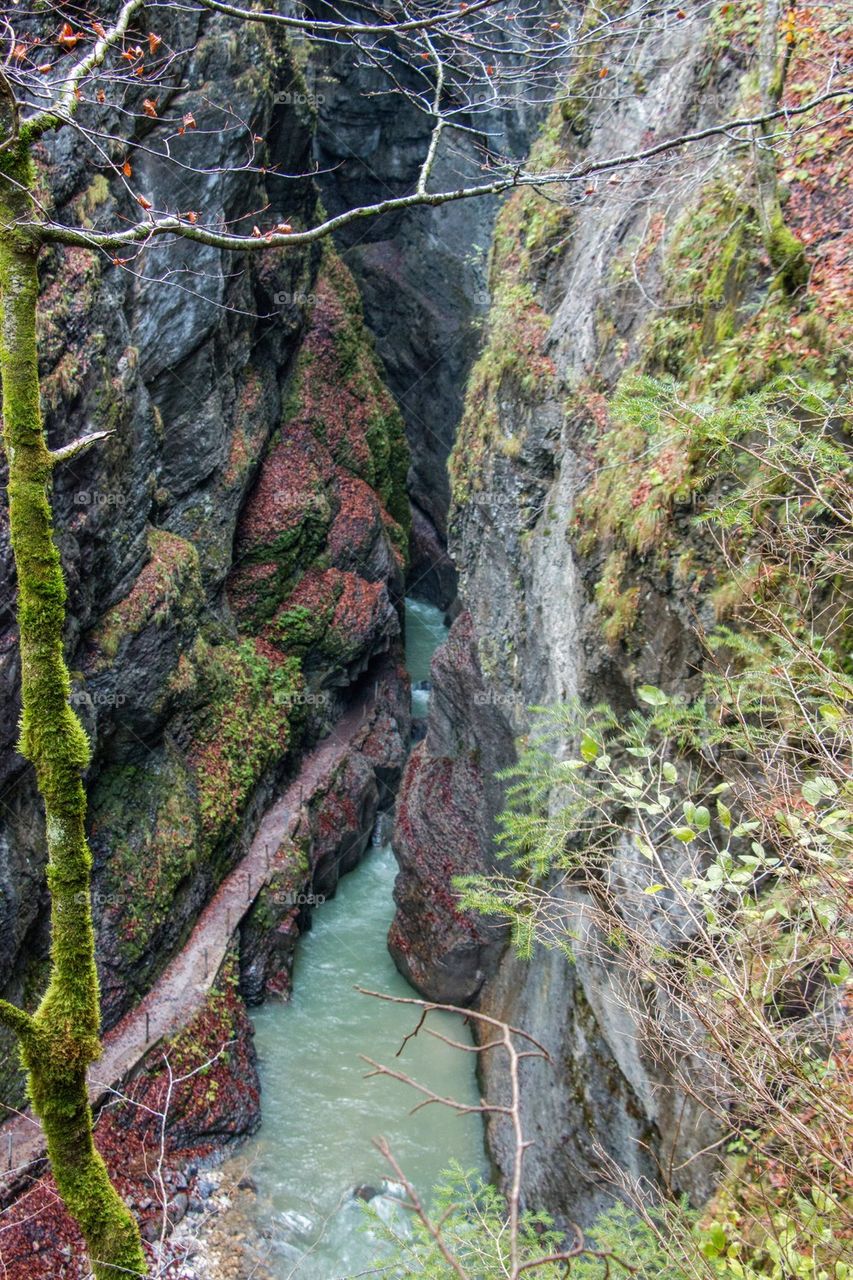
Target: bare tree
point(513, 1255)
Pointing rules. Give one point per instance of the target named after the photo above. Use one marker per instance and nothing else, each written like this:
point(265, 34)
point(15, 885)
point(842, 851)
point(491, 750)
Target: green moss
point(731, 334)
point(168, 586)
point(280, 547)
point(576, 103)
point(96, 194)
point(300, 630)
point(328, 621)
point(711, 266)
point(146, 816)
point(385, 431)
point(61, 1039)
point(337, 389)
point(513, 353)
point(618, 604)
point(725, 334)
point(248, 702)
point(732, 25)
point(732, 594)
point(787, 254)
point(293, 549)
point(650, 453)
point(288, 880)
point(164, 819)
point(67, 302)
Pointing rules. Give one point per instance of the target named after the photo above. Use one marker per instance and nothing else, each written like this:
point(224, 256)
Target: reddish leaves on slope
point(292, 480)
point(817, 170)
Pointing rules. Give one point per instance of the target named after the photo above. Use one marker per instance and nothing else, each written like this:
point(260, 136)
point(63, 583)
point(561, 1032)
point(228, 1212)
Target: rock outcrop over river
point(235, 553)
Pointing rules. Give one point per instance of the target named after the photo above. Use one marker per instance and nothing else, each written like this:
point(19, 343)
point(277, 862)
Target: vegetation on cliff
point(323, 539)
point(718, 474)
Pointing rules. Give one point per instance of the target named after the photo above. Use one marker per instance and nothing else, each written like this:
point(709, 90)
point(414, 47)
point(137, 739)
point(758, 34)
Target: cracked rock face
point(234, 553)
point(531, 634)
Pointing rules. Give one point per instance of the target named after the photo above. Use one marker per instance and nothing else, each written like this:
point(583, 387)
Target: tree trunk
point(61, 1039)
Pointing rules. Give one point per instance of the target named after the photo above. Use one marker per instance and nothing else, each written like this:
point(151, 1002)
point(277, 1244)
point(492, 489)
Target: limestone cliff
point(581, 573)
point(235, 552)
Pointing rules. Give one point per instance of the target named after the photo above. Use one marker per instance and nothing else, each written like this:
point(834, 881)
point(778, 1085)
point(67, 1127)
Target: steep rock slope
point(234, 553)
point(581, 573)
point(422, 274)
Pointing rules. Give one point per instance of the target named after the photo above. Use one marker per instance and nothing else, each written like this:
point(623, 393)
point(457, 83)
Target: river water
point(320, 1115)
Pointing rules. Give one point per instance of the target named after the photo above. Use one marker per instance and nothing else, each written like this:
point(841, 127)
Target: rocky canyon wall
point(422, 273)
point(582, 575)
point(235, 553)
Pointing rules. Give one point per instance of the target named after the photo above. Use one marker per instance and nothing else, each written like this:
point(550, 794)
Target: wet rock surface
point(564, 327)
point(444, 827)
point(234, 553)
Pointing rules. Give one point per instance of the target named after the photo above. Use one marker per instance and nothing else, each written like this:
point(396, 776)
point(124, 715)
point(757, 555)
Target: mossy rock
point(167, 589)
point(145, 819)
point(248, 699)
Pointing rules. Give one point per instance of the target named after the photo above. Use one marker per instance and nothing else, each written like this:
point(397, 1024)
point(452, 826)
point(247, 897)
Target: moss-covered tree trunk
point(61, 1039)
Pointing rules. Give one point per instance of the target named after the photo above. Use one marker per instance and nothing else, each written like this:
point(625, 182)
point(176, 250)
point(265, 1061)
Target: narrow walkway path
point(181, 989)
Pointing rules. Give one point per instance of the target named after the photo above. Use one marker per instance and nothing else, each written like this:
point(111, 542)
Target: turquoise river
point(320, 1114)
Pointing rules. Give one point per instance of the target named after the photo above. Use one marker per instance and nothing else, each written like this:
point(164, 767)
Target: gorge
point(317, 456)
point(305, 1215)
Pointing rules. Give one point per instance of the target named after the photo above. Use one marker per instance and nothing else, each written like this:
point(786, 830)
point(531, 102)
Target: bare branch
point(426, 167)
point(8, 114)
point(67, 105)
point(175, 225)
point(464, 1108)
point(469, 1014)
point(78, 446)
point(326, 27)
point(435, 1231)
point(513, 1266)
